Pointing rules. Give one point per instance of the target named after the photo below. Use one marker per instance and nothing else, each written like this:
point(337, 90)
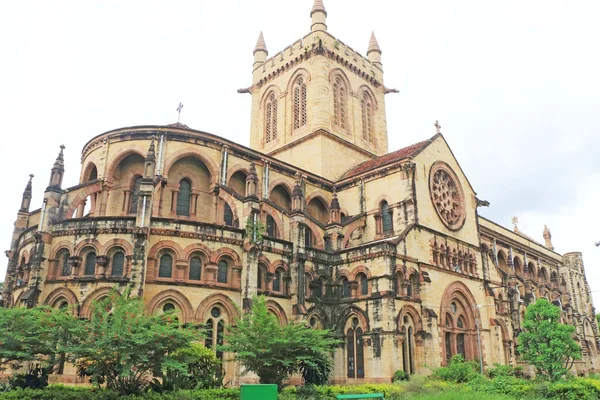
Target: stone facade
point(385, 249)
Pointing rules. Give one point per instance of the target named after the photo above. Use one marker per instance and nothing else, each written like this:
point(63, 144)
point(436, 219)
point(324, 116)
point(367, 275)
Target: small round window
point(168, 307)
point(215, 312)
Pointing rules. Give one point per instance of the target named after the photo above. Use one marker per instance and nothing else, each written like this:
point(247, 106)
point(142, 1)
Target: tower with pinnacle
point(318, 103)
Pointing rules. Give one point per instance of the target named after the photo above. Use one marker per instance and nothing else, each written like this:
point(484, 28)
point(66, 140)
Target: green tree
point(274, 351)
point(122, 346)
point(546, 343)
point(34, 335)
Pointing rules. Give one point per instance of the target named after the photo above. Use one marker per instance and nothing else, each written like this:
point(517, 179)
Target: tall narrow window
point(386, 218)
point(90, 264)
point(339, 103)
point(345, 288)
point(308, 236)
point(271, 118)
point(366, 105)
point(183, 197)
point(165, 267)
point(260, 277)
point(195, 268)
point(299, 103)
point(277, 281)
point(64, 260)
point(118, 263)
point(414, 284)
point(364, 285)
point(271, 229)
point(227, 215)
point(222, 272)
point(355, 356)
point(135, 193)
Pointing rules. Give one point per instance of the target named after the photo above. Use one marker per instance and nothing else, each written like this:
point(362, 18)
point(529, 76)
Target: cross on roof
point(438, 127)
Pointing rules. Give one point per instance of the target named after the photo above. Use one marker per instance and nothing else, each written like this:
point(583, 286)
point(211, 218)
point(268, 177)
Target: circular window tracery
point(447, 196)
point(215, 312)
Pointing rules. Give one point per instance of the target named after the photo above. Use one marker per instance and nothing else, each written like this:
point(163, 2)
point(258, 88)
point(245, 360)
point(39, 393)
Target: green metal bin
point(259, 392)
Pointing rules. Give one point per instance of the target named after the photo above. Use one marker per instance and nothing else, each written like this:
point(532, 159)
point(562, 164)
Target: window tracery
point(366, 106)
point(299, 102)
point(271, 118)
point(447, 196)
point(339, 103)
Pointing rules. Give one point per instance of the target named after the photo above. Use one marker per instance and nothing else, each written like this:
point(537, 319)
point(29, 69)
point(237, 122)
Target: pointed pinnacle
point(260, 44)
point(318, 6)
point(373, 45)
point(150, 156)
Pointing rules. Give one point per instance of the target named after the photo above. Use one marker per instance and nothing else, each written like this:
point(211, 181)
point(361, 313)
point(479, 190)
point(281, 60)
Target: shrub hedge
point(418, 388)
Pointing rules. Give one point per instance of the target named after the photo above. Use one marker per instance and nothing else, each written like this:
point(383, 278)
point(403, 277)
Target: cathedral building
point(386, 249)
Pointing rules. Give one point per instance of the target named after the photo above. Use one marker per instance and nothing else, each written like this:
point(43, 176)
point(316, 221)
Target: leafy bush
point(391, 392)
point(500, 370)
point(458, 370)
point(400, 375)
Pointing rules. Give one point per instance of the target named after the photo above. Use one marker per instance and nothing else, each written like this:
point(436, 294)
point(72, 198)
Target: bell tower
point(318, 104)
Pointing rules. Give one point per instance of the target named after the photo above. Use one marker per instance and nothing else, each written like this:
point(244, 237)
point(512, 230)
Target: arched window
point(339, 103)
point(222, 271)
point(408, 348)
point(271, 118)
point(261, 276)
point(277, 280)
point(165, 267)
point(63, 259)
point(135, 193)
point(355, 351)
point(299, 102)
point(345, 287)
point(118, 263)
point(271, 227)
point(214, 337)
point(386, 218)
point(364, 284)
point(90, 264)
point(195, 269)
point(183, 197)
point(414, 284)
point(307, 284)
point(366, 106)
point(308, 237)
point(227, 215)
point(168, 307)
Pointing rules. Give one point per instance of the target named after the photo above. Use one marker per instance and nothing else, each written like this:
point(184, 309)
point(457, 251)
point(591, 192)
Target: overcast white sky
point(514, 84)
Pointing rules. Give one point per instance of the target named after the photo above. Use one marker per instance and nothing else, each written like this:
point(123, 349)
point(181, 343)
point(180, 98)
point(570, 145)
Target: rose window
point(447, 196)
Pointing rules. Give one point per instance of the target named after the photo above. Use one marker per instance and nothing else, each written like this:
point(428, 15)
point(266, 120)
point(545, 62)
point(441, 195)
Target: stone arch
point(413, 313)
point(81, 196)
point(230, 200)
point(230, 308)
point(273, 266)
point(360, 269)
point(502, 260)
point(460, 288)
point(225, 252)
point(377, 203)
point(283, 182)
point(97, 295)
point(89, 171)
point(187, 311)
point(318, 195)
point(93, 243)
point(237, 169)
point(63, 244)
point(335, 72)
point(61, 293)
point(196, 248)
point(359, 223)
point(117, 242)
point(346, 314)
point(210, 165)
point(116, 160)
point(276, 309)
point(298, 72)
point(270, 89)
point(315, 229)
point(277, 217)
point(165, 244)
point(364, 88)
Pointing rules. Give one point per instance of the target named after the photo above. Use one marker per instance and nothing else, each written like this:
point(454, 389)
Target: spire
point(58, 170)
point(318, 6)
point(26, 200)
point(374, 51)
point(548, 238)
point(260, 44)
point(252, 182)
point(318, 16)
point(373, 45)
point(334, 209)
point(150, 162)
point(260, 51)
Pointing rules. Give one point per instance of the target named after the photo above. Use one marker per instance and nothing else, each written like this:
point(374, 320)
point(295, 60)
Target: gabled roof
point(409, 151)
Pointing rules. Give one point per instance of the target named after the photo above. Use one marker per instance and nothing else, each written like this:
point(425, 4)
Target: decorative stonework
point(447, 196)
